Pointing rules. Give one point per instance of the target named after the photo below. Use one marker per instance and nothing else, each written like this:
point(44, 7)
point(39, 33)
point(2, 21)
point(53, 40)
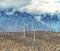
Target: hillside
point(45, 41)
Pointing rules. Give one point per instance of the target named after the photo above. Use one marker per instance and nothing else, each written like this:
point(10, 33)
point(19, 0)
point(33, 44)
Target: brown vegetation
point(45, 41)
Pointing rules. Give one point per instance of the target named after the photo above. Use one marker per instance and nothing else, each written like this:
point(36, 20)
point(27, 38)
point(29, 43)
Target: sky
point(43, 6)
point(14, 3)
point(32, 6)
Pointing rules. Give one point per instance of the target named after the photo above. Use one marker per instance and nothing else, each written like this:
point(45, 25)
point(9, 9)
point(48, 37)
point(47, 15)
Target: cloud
point(37, 6)
point(32, 6)
point(14, 3)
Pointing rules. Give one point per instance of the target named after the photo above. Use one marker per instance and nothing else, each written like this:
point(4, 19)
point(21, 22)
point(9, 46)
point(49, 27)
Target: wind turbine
point(38, 18)
point(34, 33)
point(33, 29)
point(24, 27)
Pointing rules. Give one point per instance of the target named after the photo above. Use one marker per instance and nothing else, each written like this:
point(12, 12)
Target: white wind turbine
point(38, 18)
point(24, 27)
point(33, 29)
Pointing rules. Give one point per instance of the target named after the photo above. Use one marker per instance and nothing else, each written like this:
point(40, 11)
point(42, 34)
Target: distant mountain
point(50, 17)
point(12, 20)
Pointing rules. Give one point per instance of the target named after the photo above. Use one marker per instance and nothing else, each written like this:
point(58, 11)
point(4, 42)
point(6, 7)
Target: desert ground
point(44, 41)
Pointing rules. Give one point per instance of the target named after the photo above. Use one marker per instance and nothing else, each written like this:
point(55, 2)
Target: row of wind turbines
point(38, 18)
